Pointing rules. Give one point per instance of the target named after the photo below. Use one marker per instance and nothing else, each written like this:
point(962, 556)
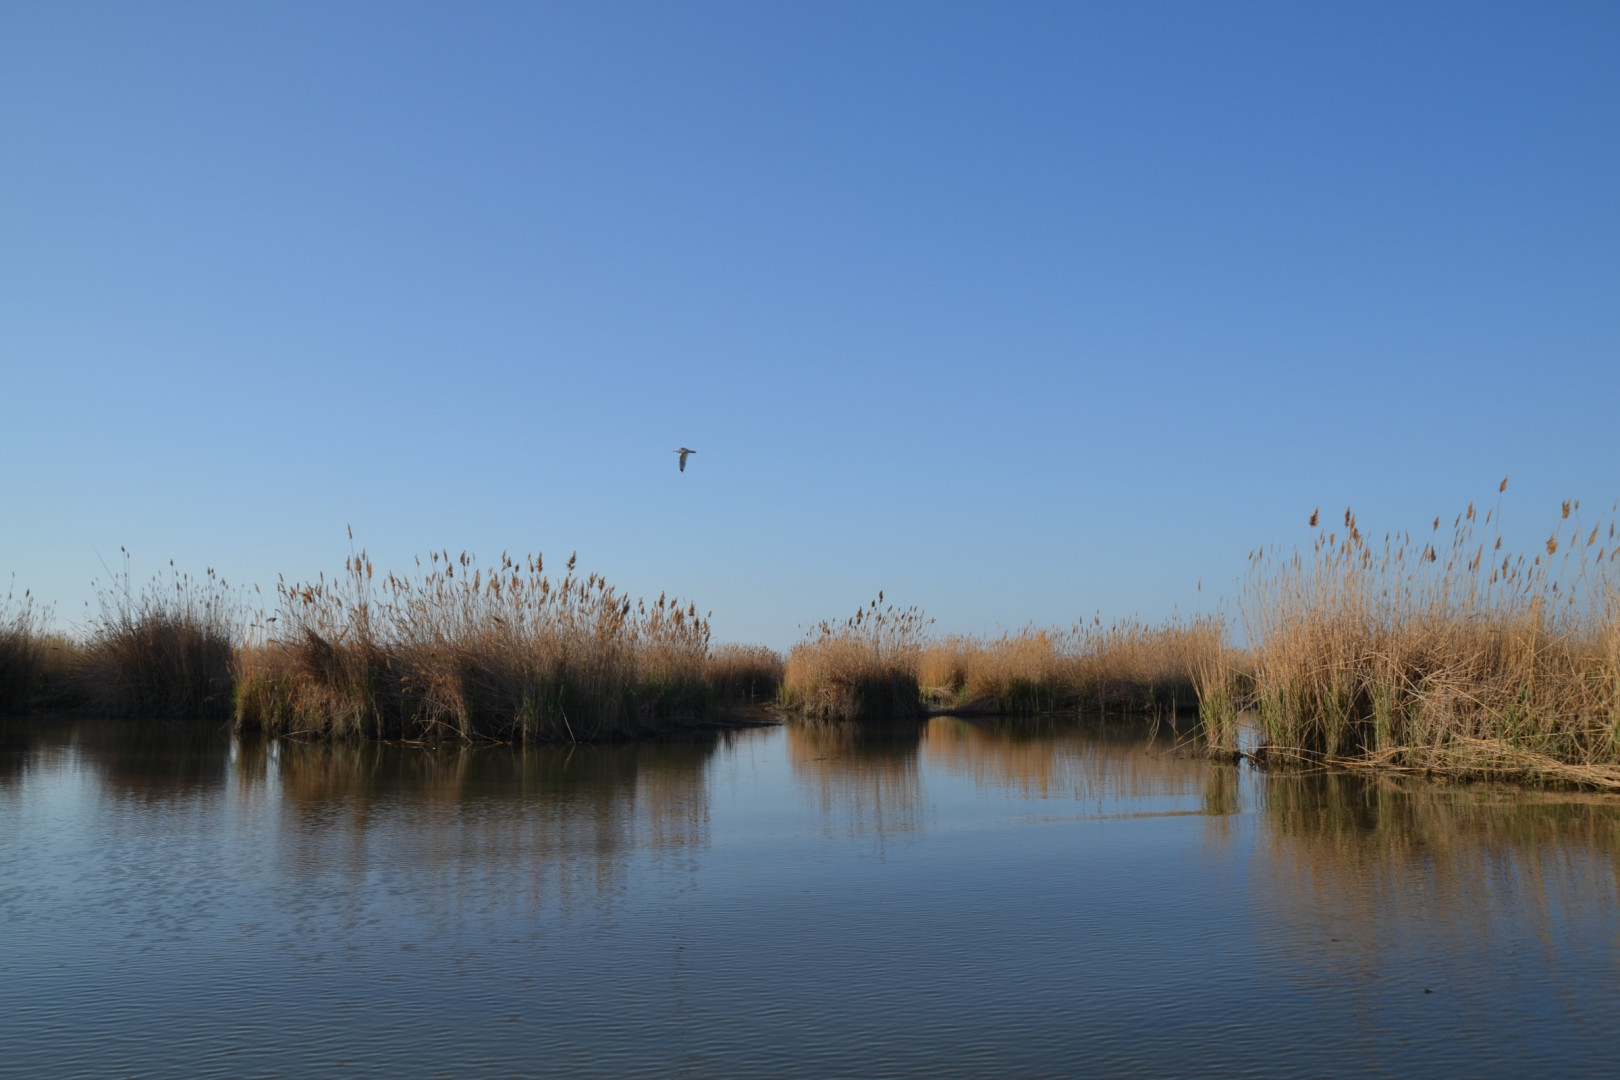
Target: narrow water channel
point(939, 900)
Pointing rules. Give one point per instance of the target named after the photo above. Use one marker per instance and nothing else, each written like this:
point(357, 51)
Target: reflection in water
point(1097, 902)
point(1042, 759)
point(562, 817)
point(565, 816)
point(154, 763)
point(1378, 874)
point(864, 775)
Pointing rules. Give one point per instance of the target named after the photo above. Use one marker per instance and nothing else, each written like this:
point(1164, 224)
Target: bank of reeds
point(456, 650)
point(864, 668)
point(1123, 666)
point(166, 651)
point(1442, 654)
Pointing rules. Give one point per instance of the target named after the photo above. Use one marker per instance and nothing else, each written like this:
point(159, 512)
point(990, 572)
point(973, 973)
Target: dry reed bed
point(864, 668)
point(458, 652)
point(1124, 666)
point(880, 664)
point(1440, 655)
point(462, 652)
point(163, 652)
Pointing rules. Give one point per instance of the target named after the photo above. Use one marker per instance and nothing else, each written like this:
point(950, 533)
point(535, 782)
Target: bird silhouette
point(683, 451)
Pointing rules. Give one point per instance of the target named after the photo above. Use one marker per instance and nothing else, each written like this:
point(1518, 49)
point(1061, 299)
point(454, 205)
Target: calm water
point(948, 900)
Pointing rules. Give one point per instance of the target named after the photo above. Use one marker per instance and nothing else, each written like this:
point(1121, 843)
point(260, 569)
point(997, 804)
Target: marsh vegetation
point(1440, 654)
point(461, 651)
point(881, 662)
point(162, 651)
point(863, 668)
point(453, 651)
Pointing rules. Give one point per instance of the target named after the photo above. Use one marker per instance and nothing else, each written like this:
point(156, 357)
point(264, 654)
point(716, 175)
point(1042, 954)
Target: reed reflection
point(1070, 759)
point(20, 746)
point(865, 775)
point(156, 763)
point(1375, 866)
point(545, 819)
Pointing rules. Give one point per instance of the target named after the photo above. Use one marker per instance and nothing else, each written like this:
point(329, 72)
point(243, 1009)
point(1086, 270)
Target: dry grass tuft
point(1443, 656)
point(864, 668)
point(463, 652)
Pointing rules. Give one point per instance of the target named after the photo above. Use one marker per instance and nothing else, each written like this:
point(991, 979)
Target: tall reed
point(864, 668)
point(1443, 653)
point(459, 651)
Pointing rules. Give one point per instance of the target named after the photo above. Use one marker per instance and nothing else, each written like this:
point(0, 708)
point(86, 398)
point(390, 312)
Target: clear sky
point(1019, 312)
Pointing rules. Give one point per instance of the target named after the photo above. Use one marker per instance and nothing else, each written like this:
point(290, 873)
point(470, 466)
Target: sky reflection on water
point(941, 899)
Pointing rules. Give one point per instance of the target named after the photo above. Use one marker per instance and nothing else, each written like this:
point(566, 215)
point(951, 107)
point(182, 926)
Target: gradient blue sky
point(1017, 312)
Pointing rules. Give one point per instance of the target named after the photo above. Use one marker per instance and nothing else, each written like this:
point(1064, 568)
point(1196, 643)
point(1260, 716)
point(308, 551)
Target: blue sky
point(1016, 312)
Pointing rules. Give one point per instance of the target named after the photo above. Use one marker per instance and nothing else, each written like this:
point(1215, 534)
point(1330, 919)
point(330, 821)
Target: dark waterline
point(943, 900)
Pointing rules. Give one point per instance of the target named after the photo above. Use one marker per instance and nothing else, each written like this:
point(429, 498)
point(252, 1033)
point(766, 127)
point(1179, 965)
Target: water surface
point(940, 900)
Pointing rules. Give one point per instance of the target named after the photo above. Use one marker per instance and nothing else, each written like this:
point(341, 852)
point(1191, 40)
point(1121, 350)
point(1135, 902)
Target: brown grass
point(462, 652)
point(1443, 655)
point(1124, 666)
point(864, 668)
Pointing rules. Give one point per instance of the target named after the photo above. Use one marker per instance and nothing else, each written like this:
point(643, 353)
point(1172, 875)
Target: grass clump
point(1124, 666)
point(462, 652)
point(167, 651)
point(864, 668)
point(1445, 657)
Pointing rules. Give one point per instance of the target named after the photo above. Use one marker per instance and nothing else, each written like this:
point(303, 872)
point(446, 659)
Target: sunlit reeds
point(864, 668)
point(1443, 653)
point(1122, 666)
point(880, 663)
point(457, 650)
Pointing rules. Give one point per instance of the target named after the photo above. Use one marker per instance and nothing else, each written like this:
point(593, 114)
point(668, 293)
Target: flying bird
point(683, 451)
